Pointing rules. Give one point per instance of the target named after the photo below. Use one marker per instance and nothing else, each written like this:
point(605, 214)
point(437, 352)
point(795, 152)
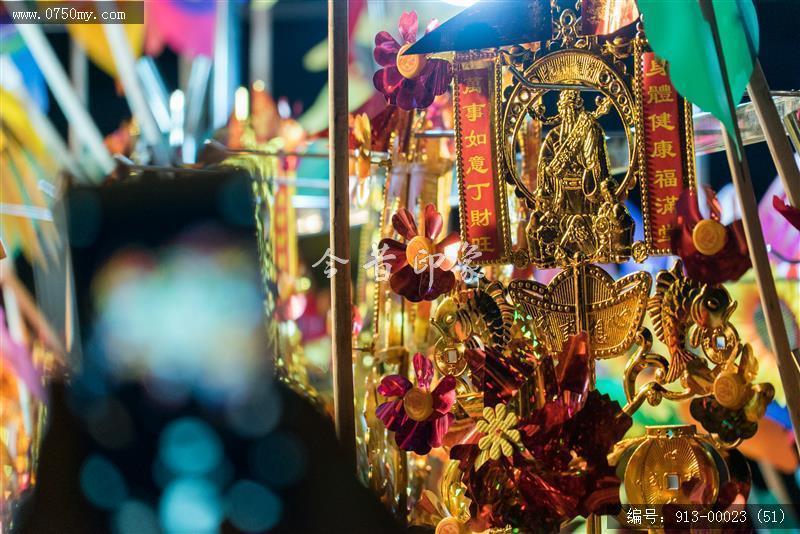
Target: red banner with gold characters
point(668, 151)
point(484, 217)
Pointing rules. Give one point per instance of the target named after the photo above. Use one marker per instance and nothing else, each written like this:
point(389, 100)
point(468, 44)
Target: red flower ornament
point(419, 416)
point(711, 253)
point(411, 81)
point(420, 267)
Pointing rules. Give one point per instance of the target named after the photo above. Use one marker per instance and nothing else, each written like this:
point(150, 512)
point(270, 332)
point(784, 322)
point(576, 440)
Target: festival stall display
point(475, 382)
point(521, 360)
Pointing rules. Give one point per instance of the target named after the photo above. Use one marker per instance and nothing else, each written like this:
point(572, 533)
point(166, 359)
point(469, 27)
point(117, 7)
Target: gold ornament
point(577, 207)
point(585, 298)
point(680, 303)
point(470, 319)
point(709, 237)
point(671, 466)
point(501, 436)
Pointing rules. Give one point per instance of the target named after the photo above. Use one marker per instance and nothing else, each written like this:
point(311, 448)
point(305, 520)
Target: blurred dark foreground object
point(327, 499)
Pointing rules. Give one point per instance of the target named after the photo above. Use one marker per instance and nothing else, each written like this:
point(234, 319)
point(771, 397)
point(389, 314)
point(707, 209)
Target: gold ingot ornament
point(585, 298)
point(671, 466)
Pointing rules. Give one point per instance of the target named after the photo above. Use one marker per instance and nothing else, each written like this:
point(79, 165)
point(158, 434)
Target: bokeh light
point(101, 482)
point(190, 505)
point(188, 446)
point(252, 507)
point(187, 320)
point(135, 517)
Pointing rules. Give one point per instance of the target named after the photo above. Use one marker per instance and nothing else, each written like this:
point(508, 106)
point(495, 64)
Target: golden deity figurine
point(573, 159)
point(577, 210)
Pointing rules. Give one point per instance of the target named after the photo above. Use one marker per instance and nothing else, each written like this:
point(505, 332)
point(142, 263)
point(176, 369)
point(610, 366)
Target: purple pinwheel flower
point(411, 81)
point(419, 416)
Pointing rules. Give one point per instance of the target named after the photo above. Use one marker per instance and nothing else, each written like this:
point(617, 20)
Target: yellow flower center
point(418, 404)
point(418, 250)
point(410, 66)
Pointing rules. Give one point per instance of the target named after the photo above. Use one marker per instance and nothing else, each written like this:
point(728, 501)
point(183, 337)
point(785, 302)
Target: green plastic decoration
point(678, 32)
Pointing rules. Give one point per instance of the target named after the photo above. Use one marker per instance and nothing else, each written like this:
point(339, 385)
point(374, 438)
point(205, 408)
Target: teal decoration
point(679, 33)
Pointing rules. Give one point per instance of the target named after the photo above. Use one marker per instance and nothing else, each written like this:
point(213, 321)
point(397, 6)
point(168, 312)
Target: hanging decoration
point(515, 435)
point(408, 81)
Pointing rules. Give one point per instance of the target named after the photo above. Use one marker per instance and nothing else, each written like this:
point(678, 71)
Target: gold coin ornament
point(731, 390)
point(449, 357)
point(410, 65)
point(709, 237)
point(671, 466)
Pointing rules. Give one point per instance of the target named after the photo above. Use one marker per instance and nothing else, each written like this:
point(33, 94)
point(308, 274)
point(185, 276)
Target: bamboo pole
point(778, 144)
point(343, 400)
point(740, 173)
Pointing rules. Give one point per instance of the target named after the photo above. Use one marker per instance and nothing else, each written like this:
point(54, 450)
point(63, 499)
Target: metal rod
point(376, 157)
point(740, 173)
point(779, 146)
point(261, 43)
point(343, 396)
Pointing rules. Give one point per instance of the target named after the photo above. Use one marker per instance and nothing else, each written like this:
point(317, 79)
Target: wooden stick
point(740, 173)
point(343, 398)
point(777, 142)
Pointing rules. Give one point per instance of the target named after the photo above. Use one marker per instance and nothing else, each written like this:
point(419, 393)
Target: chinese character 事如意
point(477, 164)
point(474, 111)
point(474, 139)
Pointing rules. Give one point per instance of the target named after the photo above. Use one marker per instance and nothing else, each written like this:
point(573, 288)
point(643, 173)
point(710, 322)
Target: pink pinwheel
point(420, 268)
point(410, 81)
point(419, 416)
